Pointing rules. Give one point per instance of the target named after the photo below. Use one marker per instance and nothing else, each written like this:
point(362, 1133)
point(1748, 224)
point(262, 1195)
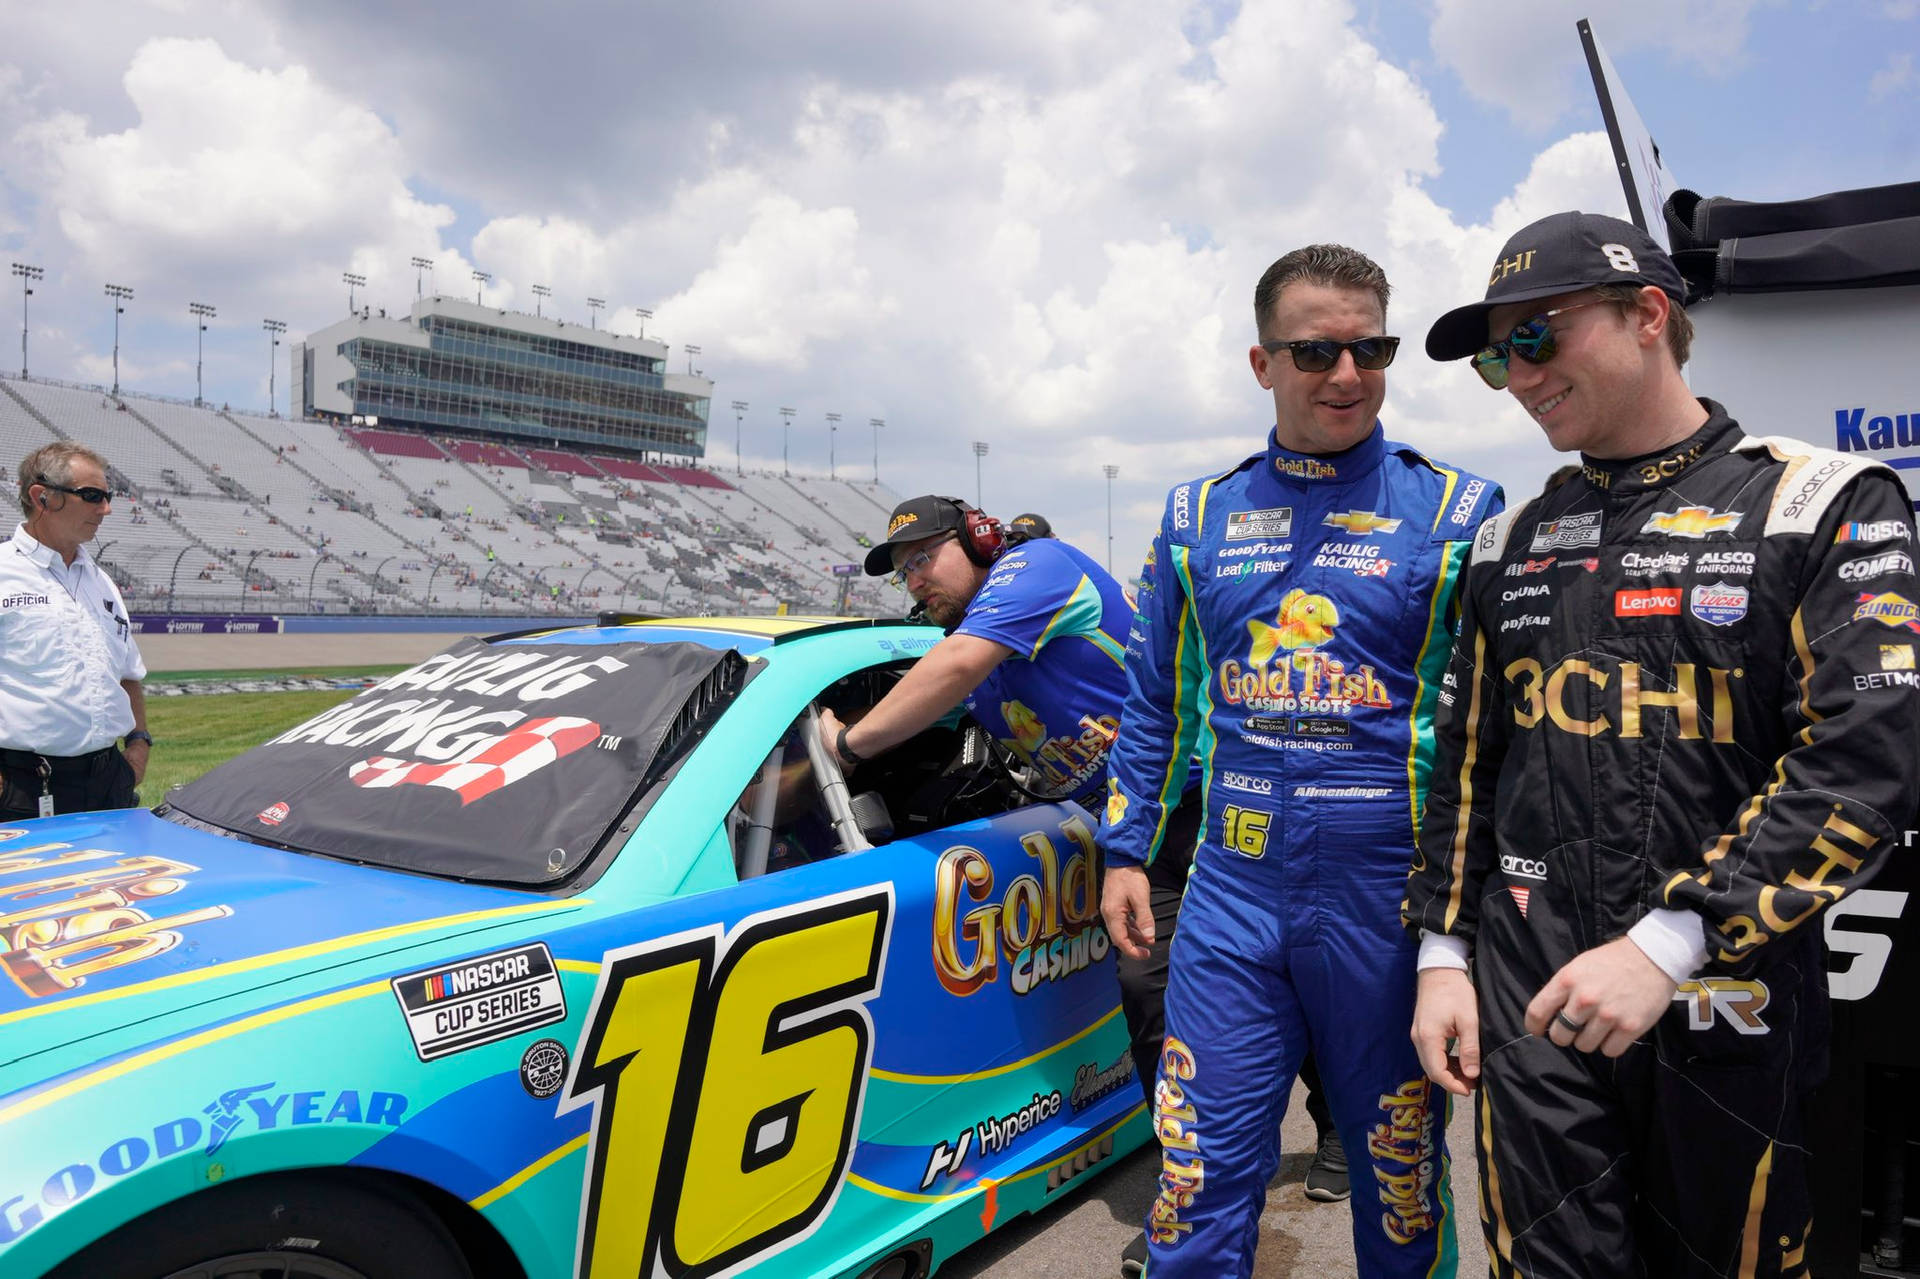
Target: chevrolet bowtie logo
point(1692, 521)
point(1361, 523)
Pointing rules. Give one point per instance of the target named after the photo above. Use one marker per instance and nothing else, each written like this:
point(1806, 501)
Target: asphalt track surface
point(1078, 1238)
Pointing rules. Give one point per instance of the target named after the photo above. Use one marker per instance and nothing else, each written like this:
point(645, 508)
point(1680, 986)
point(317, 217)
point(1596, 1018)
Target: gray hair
point(53, 463)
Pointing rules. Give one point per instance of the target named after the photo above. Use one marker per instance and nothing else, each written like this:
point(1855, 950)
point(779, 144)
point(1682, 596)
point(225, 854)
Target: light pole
point(594, 307)
point(833, 430)
point(876, 423)
point(27, 274)
point(1111, 471)
point(786, 421)
point(979, 451)
point(540, 291)
point(739, 412)
point(352, 282)
point(420, 268)
point(480, 281)
point(644, 315)
point(202, 313)
point(274, 329)
point(691, 351)
point(119, 293)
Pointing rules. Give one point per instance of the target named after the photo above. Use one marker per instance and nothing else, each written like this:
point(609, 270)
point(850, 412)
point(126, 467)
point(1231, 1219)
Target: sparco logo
point(1531, 867)
point(1812, 485)
point(1243, 782)
point(1183, 506)
point(1468, 496)
point(1861, 570)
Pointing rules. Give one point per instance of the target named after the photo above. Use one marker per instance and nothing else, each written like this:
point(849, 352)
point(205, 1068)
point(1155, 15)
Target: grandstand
point(229, 512)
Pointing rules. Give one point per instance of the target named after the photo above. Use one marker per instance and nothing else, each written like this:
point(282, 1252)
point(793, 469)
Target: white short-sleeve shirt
point(65, 644)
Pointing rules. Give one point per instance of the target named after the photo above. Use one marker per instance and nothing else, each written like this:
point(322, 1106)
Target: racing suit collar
point(1285, 465)
point(1661, 467)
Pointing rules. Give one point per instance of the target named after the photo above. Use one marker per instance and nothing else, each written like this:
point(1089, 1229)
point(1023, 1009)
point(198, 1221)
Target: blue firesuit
point(1292, 631)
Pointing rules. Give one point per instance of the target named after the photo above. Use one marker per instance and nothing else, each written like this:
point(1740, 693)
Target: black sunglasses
point(88, 493)
point(1317, 355)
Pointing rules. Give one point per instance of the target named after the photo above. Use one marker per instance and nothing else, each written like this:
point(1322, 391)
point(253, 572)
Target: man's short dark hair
point(1679, 323)
point(55, 462)
point(1332, 266)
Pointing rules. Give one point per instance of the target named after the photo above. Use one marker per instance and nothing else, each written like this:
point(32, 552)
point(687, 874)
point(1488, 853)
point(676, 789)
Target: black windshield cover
point(501, 762)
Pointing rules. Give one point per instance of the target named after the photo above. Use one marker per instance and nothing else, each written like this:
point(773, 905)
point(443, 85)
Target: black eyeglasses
point(87, 493)
point(1531, 341)
point(918, 561)
point(1317, 355)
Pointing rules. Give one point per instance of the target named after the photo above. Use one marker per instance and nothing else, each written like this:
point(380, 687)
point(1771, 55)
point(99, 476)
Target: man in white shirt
point(70, 671)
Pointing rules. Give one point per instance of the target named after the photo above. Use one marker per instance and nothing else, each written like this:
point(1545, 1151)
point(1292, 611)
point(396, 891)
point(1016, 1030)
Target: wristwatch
point(845, 751)
point(138, 735)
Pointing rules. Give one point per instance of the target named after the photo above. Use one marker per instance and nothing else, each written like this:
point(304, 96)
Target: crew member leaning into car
point(1035, 649)
point(1680, 720)
point(70, 671)
point(1294, 622)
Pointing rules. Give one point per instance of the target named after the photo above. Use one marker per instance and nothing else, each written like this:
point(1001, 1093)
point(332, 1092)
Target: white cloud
point(1526, 60)
point(1895, 77)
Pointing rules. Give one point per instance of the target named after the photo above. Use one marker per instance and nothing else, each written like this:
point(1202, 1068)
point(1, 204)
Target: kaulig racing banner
point(505, 762)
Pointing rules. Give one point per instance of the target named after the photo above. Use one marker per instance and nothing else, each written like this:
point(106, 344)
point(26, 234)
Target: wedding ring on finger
point(1575, 1026)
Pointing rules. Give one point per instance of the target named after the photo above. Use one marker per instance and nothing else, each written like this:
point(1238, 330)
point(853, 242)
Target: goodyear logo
point(1361, 523)
point(1888, 609)
point(1692, 521)
point(901, 521)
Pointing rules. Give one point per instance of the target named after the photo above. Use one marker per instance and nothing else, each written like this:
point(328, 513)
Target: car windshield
point(503, 762)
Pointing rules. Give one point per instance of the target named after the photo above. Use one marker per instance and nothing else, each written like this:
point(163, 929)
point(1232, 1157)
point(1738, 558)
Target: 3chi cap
point(1026, 527)
point(913, 519)
point(1559, 254)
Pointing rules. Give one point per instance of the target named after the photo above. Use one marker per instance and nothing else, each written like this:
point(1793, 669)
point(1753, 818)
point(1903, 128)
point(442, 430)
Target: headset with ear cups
point(981, 536)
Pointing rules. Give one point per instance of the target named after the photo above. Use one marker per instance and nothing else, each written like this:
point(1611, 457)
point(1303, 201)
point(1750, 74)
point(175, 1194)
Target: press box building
point(455, 367)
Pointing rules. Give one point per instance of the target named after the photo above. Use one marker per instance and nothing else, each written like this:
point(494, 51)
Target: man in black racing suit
point(1681, 717)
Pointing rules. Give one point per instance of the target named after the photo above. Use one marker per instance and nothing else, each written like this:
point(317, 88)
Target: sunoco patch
point(458, 1006)
point(543, 1068)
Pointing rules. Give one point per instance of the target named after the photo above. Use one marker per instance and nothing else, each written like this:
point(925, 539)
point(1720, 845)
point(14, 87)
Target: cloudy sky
point(1033, 223)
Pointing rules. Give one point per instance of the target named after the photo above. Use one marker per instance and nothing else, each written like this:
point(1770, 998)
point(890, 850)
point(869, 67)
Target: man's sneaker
point(1326, 1178)
point(1133, 1261)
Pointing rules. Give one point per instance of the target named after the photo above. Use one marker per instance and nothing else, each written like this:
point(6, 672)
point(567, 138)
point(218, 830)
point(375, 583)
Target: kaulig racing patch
point(454, 1007)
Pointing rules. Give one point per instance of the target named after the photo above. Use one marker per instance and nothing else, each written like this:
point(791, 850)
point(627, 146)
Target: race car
point(566, 953)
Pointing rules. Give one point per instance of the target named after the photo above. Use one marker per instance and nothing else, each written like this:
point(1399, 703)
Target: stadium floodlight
point(27, 274)
point(119, 293)
point(644, 315)
point(274, 329)
point(352, 282)
point(420, 268)
point(786, 421)
point(691, 351)
point(480, 281)
point(1111, 471)
point(739, 412)
point(202, 313)
point(876, 423)
point(594, 307)
point(540, 291)
point(979, 451)
point(833, 429)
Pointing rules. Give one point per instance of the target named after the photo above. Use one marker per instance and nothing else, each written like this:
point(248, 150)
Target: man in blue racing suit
point(1292, 629)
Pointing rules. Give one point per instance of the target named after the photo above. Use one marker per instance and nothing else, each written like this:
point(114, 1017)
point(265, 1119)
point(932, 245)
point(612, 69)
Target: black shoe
point(1326, 1179)
point(1133, 1260)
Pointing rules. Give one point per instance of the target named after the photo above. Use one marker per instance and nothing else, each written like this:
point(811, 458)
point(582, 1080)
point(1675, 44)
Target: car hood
point(109, 919)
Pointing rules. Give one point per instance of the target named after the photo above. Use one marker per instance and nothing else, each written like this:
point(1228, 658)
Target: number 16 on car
point(739, 1061)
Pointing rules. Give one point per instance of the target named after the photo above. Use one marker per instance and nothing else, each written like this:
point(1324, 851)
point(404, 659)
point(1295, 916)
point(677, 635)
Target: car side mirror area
point(871, 816)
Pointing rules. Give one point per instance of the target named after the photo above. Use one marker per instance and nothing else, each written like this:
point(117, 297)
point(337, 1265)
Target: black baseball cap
point(912, 520)
point(1559, 254)
point(1023, 527)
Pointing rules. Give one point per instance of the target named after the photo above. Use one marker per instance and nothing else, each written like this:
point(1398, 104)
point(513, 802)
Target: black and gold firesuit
point(1684, 682)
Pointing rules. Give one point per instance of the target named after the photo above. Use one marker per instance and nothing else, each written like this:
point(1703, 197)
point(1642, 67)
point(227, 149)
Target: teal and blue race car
point(560, 954)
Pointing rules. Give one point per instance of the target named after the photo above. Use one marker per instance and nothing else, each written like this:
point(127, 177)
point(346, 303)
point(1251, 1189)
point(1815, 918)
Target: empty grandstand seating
point(236, 512)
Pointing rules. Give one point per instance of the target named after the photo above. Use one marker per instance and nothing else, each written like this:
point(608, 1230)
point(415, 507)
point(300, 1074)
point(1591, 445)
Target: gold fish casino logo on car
point(1361, 523)
point(901, 521)
point(1692, 521)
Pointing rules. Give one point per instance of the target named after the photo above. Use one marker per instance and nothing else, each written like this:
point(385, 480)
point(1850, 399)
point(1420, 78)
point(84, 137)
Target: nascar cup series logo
point(1286, 669)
